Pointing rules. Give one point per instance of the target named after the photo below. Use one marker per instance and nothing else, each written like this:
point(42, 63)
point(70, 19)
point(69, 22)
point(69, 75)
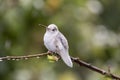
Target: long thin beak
point(42, 25)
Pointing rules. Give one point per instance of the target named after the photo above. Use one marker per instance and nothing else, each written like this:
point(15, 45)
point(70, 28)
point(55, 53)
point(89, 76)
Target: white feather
point(56, 42)
point(66, 58)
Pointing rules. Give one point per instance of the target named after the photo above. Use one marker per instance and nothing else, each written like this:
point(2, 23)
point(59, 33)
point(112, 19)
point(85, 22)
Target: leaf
point(52, 58)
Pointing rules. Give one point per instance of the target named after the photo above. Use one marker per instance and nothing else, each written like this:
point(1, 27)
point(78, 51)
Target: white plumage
point(55, 41)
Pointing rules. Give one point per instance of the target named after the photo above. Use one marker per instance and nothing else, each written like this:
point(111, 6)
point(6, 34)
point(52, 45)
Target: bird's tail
point(66, 58)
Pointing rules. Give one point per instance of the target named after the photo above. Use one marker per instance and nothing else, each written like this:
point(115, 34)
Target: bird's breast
point(49, 42)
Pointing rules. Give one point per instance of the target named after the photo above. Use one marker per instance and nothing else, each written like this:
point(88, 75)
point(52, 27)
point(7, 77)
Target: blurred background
point(92, 28)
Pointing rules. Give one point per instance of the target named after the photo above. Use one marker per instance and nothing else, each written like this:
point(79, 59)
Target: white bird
point(55, 41)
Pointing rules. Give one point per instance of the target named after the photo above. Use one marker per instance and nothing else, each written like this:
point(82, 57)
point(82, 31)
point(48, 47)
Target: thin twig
point(23, 57)
point(76, 60)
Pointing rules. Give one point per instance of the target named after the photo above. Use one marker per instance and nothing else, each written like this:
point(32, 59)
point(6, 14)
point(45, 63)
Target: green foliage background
point(92, 28)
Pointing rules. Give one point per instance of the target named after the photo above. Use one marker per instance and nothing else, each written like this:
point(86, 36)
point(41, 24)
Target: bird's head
point(52, 28)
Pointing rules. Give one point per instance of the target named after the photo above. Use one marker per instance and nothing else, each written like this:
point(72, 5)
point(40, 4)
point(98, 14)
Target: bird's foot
point(50, 52)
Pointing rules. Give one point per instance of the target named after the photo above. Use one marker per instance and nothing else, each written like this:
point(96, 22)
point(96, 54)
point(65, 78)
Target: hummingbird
point(56, 42)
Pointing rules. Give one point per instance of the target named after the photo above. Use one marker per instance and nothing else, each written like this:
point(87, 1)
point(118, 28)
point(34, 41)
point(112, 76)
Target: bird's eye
point(53, 29)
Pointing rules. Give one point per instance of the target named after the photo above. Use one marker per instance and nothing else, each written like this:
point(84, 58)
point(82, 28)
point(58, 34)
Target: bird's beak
point(42, 25)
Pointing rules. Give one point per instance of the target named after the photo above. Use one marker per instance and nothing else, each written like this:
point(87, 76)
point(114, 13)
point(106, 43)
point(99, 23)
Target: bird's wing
point(63, 40)
point(62, 49)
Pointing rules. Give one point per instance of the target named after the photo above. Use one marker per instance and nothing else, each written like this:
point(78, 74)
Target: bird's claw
point(50, 52)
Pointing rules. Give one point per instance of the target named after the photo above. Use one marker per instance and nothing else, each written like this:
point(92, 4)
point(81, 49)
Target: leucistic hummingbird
point(56, 42)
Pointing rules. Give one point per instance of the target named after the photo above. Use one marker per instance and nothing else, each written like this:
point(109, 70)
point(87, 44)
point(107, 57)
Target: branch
point(17, 58)
point(76, 60)
point(94, 68)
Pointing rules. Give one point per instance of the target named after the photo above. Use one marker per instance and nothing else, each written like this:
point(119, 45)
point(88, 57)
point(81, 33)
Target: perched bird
point(55, 42)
